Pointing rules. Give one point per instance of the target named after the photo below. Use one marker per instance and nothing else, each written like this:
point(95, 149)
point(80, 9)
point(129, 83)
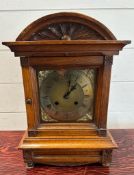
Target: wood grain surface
point(11, 160)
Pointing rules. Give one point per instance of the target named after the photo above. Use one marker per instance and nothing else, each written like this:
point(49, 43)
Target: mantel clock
point(66, 61)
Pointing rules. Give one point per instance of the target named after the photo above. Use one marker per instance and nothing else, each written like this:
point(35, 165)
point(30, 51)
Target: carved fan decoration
point(66, 31)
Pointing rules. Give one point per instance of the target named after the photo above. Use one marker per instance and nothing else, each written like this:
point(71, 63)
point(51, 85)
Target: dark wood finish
point(66, 31)
point(65, 25)
point(59, 41)
point(60, 62)
point(11, 159)
point(106, 157)
point(66, 48)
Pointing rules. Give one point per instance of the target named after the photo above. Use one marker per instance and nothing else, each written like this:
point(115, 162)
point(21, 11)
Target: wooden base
point(103, 157)
point(68, 151)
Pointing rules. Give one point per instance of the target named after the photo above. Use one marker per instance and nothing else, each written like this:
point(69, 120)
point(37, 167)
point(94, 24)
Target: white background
point(117, 15)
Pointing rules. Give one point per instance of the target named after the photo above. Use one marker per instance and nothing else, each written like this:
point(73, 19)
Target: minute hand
point(72, 88)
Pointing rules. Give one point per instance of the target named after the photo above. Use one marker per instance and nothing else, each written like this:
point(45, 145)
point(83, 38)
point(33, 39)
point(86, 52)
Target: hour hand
point(69, 83)
point(71, 89)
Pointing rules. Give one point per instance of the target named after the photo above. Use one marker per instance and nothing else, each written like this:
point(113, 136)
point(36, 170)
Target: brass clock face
point(66, 95)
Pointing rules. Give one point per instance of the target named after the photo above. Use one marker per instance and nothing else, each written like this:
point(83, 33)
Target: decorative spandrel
point(66, 31)
point(67, 95)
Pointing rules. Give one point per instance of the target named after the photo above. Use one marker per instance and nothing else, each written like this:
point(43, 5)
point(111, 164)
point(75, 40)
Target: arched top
point(66, 26)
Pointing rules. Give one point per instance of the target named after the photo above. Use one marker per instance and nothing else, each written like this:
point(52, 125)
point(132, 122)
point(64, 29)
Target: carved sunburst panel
point(66, 31)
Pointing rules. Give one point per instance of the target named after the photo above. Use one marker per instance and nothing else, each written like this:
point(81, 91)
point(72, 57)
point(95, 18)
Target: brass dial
point(66, 95)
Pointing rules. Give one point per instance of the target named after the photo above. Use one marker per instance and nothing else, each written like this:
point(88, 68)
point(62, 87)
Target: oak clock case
point(66, 61)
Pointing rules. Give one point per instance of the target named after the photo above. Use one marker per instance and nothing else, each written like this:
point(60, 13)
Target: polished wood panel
point(69, 62)
point(65, 47)
point(31, 96)
point(11, 161)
